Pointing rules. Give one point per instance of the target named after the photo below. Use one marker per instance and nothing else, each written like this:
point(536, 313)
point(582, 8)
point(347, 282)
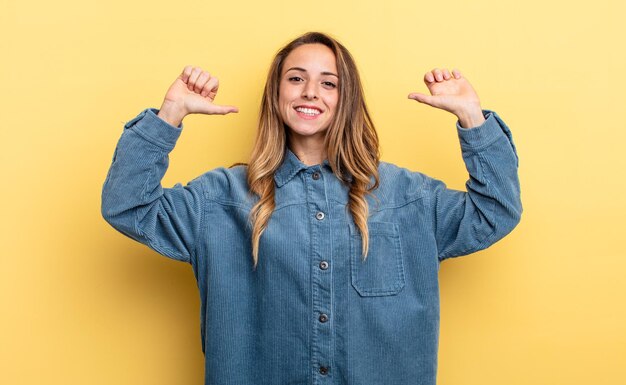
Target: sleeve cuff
point(480, 136)
point(154, 129)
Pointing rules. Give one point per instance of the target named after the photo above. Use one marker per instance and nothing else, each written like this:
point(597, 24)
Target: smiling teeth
point(308, 111)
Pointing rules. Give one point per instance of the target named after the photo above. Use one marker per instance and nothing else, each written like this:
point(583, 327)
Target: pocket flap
point(382, 272)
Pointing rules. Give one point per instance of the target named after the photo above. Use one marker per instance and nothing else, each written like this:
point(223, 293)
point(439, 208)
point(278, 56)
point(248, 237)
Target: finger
point(446, 74)
point(193, 78)
point(186, 73)
point(429, 77)
point(210, 88)
point(456, 73)
point(223, 110)
point(202, 80)
point(422, 98)
point(438, 74)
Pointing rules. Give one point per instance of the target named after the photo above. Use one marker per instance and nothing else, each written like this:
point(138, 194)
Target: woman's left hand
point(452, 93)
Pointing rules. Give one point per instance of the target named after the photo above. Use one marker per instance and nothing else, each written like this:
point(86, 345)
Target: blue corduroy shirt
point(313, 311)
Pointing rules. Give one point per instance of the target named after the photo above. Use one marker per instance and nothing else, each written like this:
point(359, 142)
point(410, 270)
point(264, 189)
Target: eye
point(295, 79)
point(329, 84)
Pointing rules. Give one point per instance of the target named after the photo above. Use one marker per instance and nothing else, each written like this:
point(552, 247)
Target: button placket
point(321, 295)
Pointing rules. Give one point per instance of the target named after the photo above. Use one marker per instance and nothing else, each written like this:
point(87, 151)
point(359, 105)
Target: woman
point(316, 263)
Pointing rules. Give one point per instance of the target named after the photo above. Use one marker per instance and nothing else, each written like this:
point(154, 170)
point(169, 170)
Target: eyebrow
point(303, 70)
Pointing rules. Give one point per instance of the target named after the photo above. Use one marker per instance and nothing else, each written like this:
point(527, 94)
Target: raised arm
point(467, 221)
point(133, 200)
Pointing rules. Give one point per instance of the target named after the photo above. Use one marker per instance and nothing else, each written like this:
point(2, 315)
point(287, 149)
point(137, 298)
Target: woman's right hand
point(193, 92)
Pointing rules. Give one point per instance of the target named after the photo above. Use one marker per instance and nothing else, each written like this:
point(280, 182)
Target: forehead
point(311, 57)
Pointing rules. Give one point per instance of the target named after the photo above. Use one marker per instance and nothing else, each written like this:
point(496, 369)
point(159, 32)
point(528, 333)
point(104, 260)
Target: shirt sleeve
point(468, 221)
point(133, 200)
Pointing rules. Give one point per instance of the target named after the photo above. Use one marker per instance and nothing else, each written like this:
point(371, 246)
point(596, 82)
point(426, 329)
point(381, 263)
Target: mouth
point(308, 112)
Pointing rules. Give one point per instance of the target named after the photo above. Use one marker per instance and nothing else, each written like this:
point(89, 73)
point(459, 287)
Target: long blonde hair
point(351, 141)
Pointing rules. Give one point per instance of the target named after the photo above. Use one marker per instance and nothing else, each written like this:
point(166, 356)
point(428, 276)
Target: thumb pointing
point(422, 98)
point(223, 110)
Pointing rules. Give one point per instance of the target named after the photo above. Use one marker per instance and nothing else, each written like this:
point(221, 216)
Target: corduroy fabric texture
point(313, 312)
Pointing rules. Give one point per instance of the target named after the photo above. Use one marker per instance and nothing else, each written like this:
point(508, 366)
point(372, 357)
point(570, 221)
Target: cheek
point(282, 104)
point(333, 98)
point(333, 103)
point(283, 111)
point(285, 97)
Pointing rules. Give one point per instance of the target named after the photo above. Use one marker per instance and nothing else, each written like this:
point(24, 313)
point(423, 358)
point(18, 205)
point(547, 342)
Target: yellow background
point(82, 304)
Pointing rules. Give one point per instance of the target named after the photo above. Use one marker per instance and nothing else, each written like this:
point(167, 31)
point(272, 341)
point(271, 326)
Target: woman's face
point(309, 91)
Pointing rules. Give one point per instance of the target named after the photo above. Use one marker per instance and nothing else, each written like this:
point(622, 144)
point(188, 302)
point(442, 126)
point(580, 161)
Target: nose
point(310, 91)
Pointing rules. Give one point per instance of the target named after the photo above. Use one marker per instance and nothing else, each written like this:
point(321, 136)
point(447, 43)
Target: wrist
point(471, 118)
point(171, 113)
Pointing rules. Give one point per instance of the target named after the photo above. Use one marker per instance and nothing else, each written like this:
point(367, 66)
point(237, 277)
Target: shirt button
point(319, 216)
point(316, 175)
point(323, 370)
point(323, 265)
point(323, 318)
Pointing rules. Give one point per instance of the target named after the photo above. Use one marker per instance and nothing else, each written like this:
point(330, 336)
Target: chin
point(307, 131)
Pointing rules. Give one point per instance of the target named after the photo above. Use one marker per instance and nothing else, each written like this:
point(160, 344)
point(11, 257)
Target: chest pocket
point(382, 272)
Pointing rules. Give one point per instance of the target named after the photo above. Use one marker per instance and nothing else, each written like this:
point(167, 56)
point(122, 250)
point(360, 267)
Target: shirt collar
point(290, 167)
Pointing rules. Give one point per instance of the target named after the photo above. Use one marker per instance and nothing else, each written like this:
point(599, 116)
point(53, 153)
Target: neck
point(310, 151)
